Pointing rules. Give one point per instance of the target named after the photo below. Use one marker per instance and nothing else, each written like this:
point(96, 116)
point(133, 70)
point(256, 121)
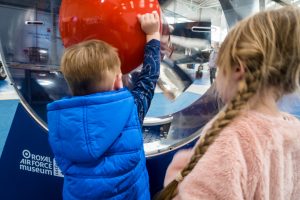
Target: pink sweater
point(255, 157)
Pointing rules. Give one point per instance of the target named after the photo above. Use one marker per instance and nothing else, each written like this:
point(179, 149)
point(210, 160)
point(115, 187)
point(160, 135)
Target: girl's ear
point(118, 84)
point(239, 71)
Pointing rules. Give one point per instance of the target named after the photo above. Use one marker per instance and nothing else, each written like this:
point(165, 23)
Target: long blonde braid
point(246, 91)
point(272, 59)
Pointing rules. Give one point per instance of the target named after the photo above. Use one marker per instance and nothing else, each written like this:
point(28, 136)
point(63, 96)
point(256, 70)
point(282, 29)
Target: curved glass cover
point(32, 47)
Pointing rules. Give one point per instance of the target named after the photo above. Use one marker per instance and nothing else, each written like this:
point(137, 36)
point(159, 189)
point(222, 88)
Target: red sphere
point(113, 21)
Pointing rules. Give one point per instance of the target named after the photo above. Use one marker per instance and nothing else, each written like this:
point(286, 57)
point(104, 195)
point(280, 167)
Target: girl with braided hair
point(250, 150)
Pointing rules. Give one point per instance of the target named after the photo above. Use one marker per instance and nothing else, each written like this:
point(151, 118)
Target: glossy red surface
point(113, 21)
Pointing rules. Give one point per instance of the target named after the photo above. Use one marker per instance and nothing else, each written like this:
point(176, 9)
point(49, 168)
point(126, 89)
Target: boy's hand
point(150, 25)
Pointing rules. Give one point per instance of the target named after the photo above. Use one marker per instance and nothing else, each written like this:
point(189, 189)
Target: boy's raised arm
point(143, 90)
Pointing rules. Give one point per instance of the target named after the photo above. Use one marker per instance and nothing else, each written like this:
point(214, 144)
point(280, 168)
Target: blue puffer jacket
point(98, 145)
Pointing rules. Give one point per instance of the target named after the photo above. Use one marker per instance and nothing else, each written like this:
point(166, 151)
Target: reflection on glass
point(32, 47)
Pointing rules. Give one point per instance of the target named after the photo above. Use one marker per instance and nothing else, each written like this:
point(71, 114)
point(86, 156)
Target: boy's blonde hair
point(90, 66)
point(268, 44)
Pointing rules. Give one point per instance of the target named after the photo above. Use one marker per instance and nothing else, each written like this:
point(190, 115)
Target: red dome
point(113, 21)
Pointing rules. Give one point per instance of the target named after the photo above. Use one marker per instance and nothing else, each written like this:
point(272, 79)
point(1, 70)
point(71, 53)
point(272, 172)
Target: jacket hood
point(82, 128)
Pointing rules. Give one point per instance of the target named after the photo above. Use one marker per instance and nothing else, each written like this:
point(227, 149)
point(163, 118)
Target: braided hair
point(268, 45)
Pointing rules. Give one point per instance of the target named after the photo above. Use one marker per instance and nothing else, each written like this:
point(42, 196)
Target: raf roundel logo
point(26, 154)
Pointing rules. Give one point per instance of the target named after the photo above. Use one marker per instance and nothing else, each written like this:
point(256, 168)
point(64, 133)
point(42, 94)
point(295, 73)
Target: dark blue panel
point(26, 164)
point(157, 167)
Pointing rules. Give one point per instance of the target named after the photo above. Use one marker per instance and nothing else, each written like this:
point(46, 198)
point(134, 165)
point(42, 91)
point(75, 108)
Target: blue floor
point(7, 113)
point(8, 105)
point(162, 106)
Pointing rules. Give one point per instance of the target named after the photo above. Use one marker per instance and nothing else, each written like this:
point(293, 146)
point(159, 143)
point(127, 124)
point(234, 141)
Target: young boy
point(96, 134)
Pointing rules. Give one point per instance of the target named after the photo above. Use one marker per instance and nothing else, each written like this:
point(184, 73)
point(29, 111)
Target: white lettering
point(35, 169)
point(23, 161)
point(36, 163)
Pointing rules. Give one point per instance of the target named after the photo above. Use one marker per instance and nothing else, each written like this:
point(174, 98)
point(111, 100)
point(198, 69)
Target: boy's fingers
point(139, 16)
point(147, 16)
point(156, 16)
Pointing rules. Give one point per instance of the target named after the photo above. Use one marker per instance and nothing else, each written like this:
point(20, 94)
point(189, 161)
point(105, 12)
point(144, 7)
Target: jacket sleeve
point(223, 172)
point(143, 89)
